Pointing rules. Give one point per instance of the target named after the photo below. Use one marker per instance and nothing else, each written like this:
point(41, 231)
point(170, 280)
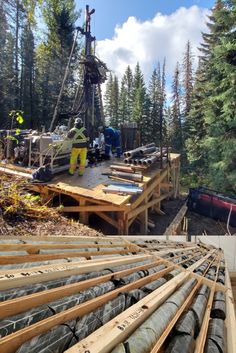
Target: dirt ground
point(197, 224)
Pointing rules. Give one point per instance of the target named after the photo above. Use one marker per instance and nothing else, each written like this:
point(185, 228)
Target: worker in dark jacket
point(112, 140)
point(79, 146)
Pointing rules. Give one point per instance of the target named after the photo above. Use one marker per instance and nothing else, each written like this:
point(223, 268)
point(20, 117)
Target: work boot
point(81, 173)
point(70, 172)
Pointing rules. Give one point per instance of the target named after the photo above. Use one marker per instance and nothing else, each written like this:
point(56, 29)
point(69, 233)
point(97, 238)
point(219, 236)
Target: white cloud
point(150, 41)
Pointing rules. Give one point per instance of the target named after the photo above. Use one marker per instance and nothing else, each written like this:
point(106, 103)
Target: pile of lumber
point(109, 294)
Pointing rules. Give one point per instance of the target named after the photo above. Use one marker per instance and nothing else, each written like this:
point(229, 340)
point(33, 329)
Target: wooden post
point(83, 216)
point(144, 219)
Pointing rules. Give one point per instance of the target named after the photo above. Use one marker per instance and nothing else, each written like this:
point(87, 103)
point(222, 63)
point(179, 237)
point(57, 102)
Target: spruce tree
point(108, 96)
point(140, 111)
point(155, 94)
point(187, 86)
point(52, 56)
point(126, 96)
point(221, 107)
point(176, 135)
point(27, 77)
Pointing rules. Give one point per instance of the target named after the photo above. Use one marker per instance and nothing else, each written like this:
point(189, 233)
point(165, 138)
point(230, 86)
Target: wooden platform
point(118, 210)
point(142, 255)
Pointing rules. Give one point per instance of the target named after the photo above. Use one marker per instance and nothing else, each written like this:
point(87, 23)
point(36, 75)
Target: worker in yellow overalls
point(79, 146)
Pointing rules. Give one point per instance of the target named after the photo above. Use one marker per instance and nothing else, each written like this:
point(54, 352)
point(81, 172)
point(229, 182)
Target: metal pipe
point(147, 150)
point(136, 151)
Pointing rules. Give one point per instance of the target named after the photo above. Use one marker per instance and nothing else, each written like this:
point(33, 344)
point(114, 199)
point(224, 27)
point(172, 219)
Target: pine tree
point(221, 108)
point(155, 93)
point(141, 107)
point(27, 77)
point(52, 56)
point(176, 126)
point(126, 97)
point(115, 103)
point(196, 123)
point(108, 96)
point(187, 86)
point(3, 41)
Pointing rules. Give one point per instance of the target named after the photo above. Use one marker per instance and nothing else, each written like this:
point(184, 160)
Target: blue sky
point(110, 13)
point(146, 31)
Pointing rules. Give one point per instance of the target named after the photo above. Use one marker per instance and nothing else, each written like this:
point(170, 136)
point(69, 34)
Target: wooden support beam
point(149, 188)
point(140, 209)
point(18, 259)
point(83, 216)
point(230, 314)
point(185, 305)
point(18, 277)
point(92, 208)
point(143, 216)
point(108, 219)
point(34, 248)
point(12, 342)
point(63, 239)
point(174, 227)
point(21, 304)
point(118, 329)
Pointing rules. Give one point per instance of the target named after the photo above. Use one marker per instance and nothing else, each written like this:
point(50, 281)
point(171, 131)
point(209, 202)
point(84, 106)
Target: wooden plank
point(17, 259)
point(12, 342)
point(173, 228)
point(83, 216)
point(149, 189)
point(185, 305)
point(140, 209)
point(118, 329)
point(62, 238)
point(21, 304)
point(230, 314)
point(18, 277)
point(108, 219)
point(92, 208)
point(34, 248)
point(144, 218)
point(201, 339)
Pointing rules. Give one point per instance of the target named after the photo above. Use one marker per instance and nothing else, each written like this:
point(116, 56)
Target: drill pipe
point(146, 150)
point(130, 176)
point(136, 151)
point(127, 160)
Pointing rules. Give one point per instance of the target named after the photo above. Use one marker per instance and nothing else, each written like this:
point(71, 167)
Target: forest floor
point(22, 213)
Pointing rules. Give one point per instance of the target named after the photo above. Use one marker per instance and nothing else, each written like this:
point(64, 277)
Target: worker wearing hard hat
point(112, 140)
point(78, 135)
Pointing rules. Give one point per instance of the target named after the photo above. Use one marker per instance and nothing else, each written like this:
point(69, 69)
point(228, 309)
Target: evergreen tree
point(176, 126)
point(221, 107)
point(187, 86)
point(115, 103)
point(27, 77)
point(196, 123)
point(3, 41)
point(141, 106)
point(155, 94)
point(52, 56)
point(126, 97)
point(108, 96)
